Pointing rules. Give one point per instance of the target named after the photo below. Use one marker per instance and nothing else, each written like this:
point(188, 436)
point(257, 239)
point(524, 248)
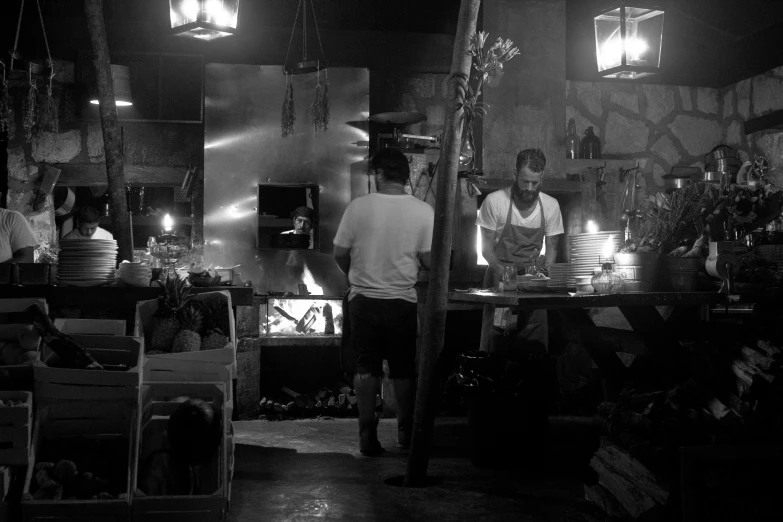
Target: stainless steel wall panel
point(244, 147)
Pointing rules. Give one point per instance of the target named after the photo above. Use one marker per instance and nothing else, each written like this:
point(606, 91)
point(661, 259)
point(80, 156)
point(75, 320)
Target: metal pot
point(724, 164)
point(715, 176)
point(672, 183)
point(720, 152)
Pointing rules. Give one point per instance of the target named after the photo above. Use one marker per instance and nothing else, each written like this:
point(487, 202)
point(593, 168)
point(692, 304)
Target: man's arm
point(488, 250)
point(552, 242)
point(343, 258)
point(23, 255)
point(425, 259)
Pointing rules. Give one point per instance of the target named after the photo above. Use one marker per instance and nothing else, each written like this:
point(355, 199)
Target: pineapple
point(214, 323)
point(188, 339)
point(175, 298)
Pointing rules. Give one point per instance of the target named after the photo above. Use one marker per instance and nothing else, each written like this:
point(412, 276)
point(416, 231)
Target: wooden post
point(112, 145)
point(197, 210)
point(435, 323)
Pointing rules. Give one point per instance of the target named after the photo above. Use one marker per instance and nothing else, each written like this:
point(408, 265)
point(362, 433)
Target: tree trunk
point(112, 145)
point(435, 323)
point(197, 210)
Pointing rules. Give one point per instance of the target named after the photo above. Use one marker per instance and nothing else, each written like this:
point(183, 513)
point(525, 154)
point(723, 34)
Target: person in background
point(88, 218)
point(303, 222)
point(17, 240)
point(382, 240)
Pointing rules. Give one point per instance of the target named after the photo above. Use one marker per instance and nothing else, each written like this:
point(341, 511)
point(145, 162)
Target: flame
point(168, 223)
point(309, 280)
point(608, 251)
point(312, 311)
point(592, 227)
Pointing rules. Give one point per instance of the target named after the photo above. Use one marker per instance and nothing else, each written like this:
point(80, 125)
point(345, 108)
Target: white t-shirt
point(494, 212)
point(15, 234)
point(385, 233)
point(99, 234)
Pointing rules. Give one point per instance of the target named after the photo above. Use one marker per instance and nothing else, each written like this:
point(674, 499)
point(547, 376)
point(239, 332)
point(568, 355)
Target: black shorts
point(384, 329)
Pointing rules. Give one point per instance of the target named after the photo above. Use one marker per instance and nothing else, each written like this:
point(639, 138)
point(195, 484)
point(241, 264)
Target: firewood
point(770, 350)
point(753, 371)
point(321, 395)
point(738, 406)
point(345, 389)
point(598, 495)
point(277, 407)
point(289, 392)
point(319, 404)
point(631, 468)
point(635, 501)
point(352, 400)
point(719, 410)
point(744, 379)
point(262, 403)
point(341, 400)
point(331, 403)
point(755, 358)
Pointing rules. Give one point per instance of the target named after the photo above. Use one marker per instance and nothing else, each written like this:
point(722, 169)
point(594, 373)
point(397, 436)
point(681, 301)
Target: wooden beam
point(773, 120)
point(94, 174)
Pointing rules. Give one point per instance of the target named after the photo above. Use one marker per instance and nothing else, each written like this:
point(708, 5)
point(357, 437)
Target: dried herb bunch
point(5, 103)
point(30, 110)
point(47, 117)
point(288, 117)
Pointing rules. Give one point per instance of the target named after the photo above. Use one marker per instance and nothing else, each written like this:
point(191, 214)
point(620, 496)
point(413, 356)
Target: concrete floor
point(312, 470)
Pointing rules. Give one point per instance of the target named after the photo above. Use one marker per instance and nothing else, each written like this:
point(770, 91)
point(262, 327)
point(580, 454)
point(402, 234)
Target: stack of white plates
point(134, 274)
point(589, 249)
point(87, 262)
point(560, 277)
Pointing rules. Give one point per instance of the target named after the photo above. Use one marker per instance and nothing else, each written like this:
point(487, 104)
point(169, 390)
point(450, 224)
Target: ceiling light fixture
point(122, 91)
point(628, 41)
point(203, 19)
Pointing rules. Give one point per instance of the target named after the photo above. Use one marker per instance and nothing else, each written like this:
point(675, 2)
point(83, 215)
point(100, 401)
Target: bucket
point(638, 266)
point(683, 273)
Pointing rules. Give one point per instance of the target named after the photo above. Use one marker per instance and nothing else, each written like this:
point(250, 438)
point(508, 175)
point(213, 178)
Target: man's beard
point(526, 196)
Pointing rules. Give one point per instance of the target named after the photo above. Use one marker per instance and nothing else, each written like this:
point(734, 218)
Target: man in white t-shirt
point(381, 242)
point(515, 234)
point(88, 228)
point(17, 240)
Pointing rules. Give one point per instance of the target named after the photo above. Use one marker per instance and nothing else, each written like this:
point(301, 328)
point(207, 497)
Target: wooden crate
point(160, 369)
point(145, 322)
point(70, 384)
point(19, 376)
point(100, 437)
point(15, 428)
point(157, 407)
point(90, 326)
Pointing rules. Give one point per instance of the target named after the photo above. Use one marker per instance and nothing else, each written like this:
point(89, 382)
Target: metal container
point(720, 152)
point(712, 176)
point(724, 164)
point(672, 183)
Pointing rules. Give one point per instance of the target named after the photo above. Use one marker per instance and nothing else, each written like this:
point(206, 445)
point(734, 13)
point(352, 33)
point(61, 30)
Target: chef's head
point(88, 218)
point(303, 220)
point(530, 170)
point(390, 166)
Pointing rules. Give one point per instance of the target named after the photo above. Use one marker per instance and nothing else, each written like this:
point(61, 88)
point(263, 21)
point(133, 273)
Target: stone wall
point(750, 98)
point(79, 142)
point(659, 126)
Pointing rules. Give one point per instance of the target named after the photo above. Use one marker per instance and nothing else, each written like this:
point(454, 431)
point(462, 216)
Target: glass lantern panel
point(221, 12)
point(183, 12)
point(608, 44)
point(644, 37)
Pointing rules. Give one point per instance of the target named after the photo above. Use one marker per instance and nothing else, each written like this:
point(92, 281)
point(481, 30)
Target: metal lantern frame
point(196, 18)
point(626, 70)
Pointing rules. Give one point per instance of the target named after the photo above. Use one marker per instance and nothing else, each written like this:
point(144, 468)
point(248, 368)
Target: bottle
point(608, 281)
point(572, 141)
point(590, 147)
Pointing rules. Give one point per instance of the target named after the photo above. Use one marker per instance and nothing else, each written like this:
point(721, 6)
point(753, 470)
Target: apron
point(516, 244)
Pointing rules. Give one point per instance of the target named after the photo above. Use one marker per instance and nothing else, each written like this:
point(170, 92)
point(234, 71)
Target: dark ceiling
point(706, 42)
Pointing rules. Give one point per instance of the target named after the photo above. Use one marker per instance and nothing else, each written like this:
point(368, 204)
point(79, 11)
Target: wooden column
point(437, 293)
point(197, 210)
point(112, 144)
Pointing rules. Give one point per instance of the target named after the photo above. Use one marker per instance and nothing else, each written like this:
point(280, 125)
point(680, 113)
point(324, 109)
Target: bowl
point(585, 288)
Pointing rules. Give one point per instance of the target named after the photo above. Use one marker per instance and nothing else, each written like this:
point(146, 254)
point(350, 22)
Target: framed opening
point(277, 204)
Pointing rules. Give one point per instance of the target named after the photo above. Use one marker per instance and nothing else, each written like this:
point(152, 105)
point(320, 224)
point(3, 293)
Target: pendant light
point(203, 19)
point(122, 91)
point(628, 41)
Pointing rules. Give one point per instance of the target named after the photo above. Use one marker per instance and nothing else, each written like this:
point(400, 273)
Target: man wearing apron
point(515, 224)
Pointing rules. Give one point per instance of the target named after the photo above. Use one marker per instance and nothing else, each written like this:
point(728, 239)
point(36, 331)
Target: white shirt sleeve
point(345, 235)
point(488, 213)
point(554, 219)
point(426, 234)
point(22, 235)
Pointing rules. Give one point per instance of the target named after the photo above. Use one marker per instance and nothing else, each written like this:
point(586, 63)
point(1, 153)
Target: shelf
point(772, 121)
point(275, 223)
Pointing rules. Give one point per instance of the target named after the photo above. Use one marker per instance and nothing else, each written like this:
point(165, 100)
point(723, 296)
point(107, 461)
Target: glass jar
point(572, 141)
point(608, 281)
point(508, 280)
point(590, 148)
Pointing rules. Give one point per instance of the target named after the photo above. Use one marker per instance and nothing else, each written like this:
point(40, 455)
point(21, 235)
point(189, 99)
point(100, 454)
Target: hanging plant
point(325, 103)
point(30, 108)
point(47, 117)
point(288, 117)
point(316, 108)
point(5, 104)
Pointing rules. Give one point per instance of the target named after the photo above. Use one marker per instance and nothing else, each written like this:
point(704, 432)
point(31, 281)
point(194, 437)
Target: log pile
point(287, 404)
point(712, 393)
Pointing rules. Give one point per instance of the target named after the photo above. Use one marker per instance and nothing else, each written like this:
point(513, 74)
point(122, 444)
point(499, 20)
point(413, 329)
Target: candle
point(168, 223)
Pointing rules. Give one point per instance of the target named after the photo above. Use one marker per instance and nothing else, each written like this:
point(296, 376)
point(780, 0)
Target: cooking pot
point(672, 183)
point(720, 152)
point(724, 164)
point(712, 176)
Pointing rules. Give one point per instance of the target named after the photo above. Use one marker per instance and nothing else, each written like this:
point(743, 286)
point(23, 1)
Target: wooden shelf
point(770, 121)
point(275, 223)
point(151, 221)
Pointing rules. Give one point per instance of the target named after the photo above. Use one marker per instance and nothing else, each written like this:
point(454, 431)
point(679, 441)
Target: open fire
point(302, 316)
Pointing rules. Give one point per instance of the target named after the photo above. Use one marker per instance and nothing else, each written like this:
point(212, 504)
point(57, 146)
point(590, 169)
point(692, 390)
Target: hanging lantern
point(122, 91)
point(203, 19)
point(628, 41)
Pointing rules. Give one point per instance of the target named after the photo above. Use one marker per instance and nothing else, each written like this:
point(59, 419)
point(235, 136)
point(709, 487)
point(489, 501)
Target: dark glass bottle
point(572, 141)
point(591, 146)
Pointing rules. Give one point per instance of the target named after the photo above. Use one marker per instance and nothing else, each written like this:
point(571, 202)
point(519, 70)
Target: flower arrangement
point(47, 253)
point(486, 65)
